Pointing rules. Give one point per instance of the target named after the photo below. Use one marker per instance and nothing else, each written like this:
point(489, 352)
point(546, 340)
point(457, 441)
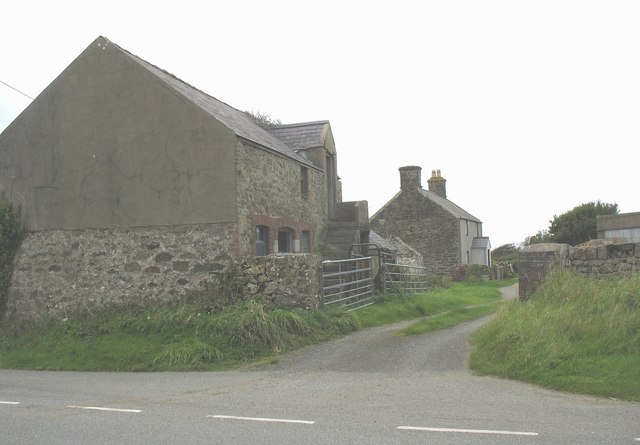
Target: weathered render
point(137, 187)
point(443, 233)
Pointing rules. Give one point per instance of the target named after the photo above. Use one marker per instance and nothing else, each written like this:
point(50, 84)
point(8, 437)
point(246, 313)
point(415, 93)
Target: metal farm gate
point(412, 279)
point(348, 283)
point(351, 282)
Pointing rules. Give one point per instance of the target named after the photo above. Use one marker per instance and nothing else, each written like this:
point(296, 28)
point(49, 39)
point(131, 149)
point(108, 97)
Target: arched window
point(262, 240)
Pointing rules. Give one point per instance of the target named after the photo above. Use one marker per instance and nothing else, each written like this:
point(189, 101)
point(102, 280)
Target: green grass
point(168, 339)
point(187, 338)
point(447, 319)
point(575, 334)
point(443, 307)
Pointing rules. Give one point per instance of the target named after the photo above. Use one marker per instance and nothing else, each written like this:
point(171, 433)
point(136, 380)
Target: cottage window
point(305, 241)
point(262, 240)
point(304, 182)
point(285, 240)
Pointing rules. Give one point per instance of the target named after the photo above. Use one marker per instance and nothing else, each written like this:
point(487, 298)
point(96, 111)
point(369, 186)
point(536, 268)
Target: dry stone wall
point(597, 258)
point(64, 271)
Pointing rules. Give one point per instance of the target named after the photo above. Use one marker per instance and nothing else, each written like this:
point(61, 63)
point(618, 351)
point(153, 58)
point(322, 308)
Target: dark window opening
point(262, 240)
point(285, 240)
point(305, 241)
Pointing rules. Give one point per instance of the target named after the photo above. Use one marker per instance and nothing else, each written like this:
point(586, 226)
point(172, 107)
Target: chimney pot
point(437, 184)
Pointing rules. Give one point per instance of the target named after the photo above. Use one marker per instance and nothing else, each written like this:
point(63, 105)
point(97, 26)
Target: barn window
point(262, 240)
point(285, 240)
point(305, 241)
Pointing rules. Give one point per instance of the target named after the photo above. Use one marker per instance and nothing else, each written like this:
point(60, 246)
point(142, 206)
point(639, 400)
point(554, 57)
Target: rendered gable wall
point(109, 145)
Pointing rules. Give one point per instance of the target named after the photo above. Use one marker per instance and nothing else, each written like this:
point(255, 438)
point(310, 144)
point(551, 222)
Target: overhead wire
point(15, 89)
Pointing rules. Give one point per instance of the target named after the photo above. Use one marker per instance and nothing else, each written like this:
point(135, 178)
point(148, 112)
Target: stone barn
point(137, 187)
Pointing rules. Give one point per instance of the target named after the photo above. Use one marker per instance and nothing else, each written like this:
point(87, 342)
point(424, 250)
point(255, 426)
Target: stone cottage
point(137, 185)
point(445, 235)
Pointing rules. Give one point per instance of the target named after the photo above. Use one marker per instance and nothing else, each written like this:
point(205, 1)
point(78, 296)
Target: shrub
point(471, 272)
point(12, 232)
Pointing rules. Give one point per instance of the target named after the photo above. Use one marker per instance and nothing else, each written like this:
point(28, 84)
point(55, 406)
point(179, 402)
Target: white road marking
point(263, 419)
point(9, 403)
point(457, 430)
point(101, 408)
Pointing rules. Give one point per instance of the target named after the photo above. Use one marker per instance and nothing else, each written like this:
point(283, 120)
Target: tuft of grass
point(574, 334)
point(447, 319)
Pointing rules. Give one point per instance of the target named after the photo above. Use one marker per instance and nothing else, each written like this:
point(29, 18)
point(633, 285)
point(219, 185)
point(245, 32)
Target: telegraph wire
point(15, 89)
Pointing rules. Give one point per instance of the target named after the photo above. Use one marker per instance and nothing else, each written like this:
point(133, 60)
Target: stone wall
point(596, 258)
point(63, 271)
point(268, 187)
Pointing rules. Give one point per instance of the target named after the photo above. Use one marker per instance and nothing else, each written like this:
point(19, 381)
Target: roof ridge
point(462, 213)
point(301, 124)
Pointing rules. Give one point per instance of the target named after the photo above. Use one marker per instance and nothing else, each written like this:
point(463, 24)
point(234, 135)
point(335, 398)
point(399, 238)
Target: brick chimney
point(410, 177)
point(437, 184)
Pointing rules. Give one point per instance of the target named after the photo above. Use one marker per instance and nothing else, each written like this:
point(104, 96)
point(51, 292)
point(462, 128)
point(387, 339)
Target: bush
point(12, 232)
point(472, 272)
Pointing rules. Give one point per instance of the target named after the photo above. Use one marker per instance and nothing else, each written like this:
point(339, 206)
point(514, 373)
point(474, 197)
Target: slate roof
point(452, 208)
point(301, 136)
point(449, 206)
point(481, 242)
point(381, 242)
point(236, 120)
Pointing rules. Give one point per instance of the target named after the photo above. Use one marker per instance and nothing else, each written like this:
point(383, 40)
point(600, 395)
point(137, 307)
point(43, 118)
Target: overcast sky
point(528, 108)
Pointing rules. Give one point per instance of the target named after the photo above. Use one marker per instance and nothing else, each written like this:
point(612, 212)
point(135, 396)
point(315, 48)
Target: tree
point(541, 237)
point(575, 226)
point(507, 253)
point(263, 120)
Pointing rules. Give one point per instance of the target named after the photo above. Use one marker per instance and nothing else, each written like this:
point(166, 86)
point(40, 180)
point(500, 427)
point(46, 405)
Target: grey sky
point(528, 108)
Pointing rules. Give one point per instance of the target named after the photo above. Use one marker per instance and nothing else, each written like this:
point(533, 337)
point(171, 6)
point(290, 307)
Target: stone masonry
point(595, 259)
point(60, 272)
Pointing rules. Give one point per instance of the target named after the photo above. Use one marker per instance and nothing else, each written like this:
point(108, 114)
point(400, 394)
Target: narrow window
point(304, 182)
point(262, 240)
point(285, 240)
point(305, 241)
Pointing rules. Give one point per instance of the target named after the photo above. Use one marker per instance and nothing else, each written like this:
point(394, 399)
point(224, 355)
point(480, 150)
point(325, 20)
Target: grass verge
point(575, 334)
point(168, 339)
point(187, 338)
point(439, 308)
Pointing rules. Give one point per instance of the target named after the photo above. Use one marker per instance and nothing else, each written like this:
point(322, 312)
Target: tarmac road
point(367, 388)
